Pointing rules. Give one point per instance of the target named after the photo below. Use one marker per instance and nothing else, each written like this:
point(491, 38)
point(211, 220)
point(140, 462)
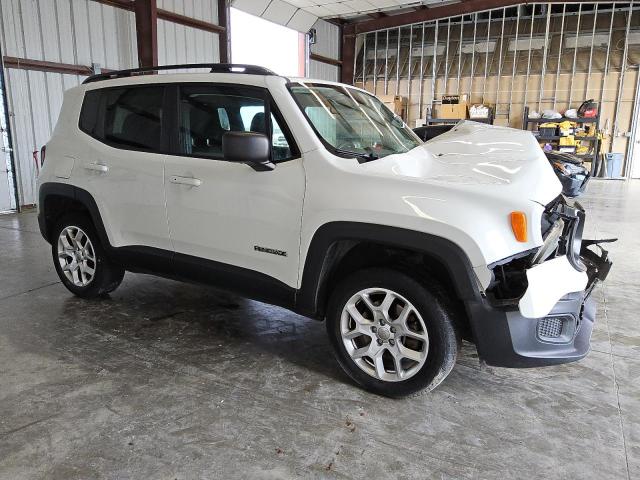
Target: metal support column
point(526, 82)
point(409, 65)
point(434, 70)
point(386, 66)
point(513, 69)
point(364, 62)
point(473, 54)
point(146, 13)
point(606, 62)
point(593, 33)
point(446, 58)
point(486, 58)
point(421, 77)
point(575, 53)
point(504, 15)
point(623, 69)
point(375, 62)
point(224, 38)
point(398, 65)
point(460, 54)
point(555, 85)
point(348, 49)
point(543, 72)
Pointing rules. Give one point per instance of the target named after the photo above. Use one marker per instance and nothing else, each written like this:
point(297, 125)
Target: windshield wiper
point(367, 157)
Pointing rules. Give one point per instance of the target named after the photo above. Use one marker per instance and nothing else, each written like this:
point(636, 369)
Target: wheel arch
point(56, 199)
point(338, 246)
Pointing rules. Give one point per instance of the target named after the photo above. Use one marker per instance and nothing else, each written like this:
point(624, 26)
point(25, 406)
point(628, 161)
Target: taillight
point(43, 153)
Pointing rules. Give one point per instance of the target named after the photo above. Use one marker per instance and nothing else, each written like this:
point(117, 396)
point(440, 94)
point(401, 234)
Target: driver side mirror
point(251, 148)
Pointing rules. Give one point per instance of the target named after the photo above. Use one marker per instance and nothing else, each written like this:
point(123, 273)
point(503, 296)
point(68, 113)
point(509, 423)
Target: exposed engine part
point(562, 226)
point(551, 242)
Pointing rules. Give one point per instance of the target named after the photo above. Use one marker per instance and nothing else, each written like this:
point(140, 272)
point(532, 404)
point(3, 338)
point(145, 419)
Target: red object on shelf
point(588, 109)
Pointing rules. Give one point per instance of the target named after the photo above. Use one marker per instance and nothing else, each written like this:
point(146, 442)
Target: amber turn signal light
point(519, 226)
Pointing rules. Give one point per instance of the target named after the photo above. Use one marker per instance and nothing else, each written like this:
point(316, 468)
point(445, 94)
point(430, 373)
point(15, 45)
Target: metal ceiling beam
point(428, 14)
point(190, 21)
point(45, 66)
point(169, 16)
point(322, 59)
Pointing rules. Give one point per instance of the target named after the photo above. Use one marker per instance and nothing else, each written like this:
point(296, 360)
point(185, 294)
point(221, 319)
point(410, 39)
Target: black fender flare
point(76, 194)
point(319, 259)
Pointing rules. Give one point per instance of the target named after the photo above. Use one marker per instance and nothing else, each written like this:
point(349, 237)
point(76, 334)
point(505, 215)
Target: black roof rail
point(214, 68)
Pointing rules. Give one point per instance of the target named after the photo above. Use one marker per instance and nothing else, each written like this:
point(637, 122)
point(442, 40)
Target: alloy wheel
point(384, 334)
point(76, 256)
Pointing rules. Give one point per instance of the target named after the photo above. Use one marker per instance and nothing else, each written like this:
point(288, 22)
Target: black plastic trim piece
point(236, 68)
point(319, 261)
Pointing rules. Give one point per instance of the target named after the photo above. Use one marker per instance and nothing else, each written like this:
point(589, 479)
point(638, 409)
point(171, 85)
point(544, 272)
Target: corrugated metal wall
point(180, 44)
point(327, 45)
point(81, 32)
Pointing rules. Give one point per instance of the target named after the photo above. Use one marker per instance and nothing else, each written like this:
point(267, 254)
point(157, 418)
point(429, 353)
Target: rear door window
point(125, 117)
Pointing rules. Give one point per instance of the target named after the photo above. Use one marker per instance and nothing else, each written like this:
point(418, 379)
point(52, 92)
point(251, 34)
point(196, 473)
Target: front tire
point(391, 334)
point(80, 259)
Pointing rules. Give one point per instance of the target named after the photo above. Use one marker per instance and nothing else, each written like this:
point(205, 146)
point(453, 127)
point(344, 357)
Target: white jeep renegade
point(313, 196)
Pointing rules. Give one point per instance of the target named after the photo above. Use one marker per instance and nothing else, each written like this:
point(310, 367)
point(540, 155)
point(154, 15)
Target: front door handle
point(192, 182)
point(96, 167)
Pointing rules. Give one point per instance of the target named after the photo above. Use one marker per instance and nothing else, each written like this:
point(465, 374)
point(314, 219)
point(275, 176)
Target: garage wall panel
point(328, 45)
point(78, 11)
point(323, 71)
point(327, 40)
point(182, 44)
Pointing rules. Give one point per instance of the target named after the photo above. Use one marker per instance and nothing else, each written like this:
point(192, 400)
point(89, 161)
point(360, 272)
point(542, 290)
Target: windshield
point(353, 122)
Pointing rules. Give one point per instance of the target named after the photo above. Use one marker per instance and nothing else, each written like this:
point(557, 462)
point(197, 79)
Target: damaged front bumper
point(543, 314)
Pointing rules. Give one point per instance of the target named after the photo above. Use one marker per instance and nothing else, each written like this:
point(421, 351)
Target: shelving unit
point(452, 121)
point(595, 150)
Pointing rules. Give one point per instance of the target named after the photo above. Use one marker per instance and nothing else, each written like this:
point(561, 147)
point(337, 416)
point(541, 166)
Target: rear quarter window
point(129, 118)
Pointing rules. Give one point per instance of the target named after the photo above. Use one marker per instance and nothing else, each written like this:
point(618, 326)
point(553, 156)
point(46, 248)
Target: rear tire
point(80, 260)
point(392, 334)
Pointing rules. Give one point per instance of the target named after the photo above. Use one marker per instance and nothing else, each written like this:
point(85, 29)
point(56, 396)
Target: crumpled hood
point(497, 161)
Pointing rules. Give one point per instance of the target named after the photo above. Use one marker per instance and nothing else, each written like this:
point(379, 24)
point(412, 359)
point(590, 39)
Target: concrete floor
point(166, 380)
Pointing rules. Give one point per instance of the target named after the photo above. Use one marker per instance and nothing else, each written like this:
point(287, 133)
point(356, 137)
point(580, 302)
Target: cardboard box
point(451, 110)
point(454, 111)
point(396, 104)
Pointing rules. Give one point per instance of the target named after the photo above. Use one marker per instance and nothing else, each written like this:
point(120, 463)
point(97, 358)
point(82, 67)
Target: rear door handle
point(96, 167)
point(192, 182)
